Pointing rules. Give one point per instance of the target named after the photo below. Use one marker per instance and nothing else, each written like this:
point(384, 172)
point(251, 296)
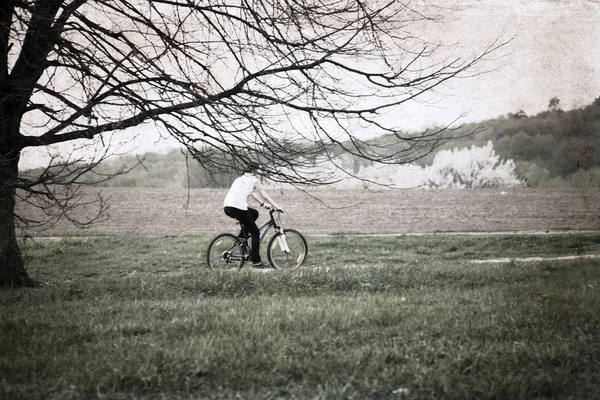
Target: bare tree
point(259, 80)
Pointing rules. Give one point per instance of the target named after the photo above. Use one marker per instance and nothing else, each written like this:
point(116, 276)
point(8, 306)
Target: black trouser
point(248, 220)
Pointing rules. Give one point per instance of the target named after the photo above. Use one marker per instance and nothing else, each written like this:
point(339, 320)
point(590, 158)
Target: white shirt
point(241, 188)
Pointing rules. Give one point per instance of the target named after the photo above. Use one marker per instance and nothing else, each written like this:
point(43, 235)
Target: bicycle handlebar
point(272, 209)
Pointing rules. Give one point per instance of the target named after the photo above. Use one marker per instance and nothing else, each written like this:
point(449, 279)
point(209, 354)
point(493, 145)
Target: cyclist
point(235, 206)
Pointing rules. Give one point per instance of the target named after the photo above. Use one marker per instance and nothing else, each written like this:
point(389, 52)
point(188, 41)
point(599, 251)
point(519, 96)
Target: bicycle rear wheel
point(298, 250)
point(225, 252)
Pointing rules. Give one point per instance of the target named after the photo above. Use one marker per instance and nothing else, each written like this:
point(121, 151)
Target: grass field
point(406, 317)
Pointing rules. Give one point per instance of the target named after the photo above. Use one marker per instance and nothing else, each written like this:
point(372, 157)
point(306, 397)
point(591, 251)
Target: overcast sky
point(555, 52)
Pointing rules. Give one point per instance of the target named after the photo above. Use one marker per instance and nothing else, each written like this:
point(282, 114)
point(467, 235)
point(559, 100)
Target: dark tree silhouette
point(285, 82)
point(554, 104)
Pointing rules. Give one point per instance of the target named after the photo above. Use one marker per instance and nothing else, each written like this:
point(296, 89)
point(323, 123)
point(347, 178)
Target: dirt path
point(534, 259)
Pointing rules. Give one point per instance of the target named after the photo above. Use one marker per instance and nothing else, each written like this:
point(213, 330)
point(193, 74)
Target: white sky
point(555, 53)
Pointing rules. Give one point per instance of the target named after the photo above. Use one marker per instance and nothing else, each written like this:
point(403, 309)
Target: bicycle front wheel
point(225, 252)
point(277, 250)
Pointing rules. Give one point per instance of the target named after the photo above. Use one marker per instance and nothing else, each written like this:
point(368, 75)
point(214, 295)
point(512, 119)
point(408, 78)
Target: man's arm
point(262, 196)
point(257, 197)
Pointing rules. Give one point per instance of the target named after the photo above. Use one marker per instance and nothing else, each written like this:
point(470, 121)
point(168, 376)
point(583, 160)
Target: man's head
point(252, 168)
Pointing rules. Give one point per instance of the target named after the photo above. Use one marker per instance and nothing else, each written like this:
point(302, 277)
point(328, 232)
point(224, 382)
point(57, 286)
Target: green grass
point(367, 318)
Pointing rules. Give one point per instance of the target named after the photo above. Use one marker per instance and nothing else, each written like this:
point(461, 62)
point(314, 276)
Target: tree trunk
point(12, 268)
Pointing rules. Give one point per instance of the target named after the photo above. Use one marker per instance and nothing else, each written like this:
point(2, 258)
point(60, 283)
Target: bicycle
point(287, 248)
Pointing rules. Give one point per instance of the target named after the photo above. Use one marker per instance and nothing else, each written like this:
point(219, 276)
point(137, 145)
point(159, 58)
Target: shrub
point(469, 168)
point(584, 178)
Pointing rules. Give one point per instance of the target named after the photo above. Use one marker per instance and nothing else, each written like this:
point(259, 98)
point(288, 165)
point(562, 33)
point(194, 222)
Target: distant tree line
point(172, 169)
point(554, 148)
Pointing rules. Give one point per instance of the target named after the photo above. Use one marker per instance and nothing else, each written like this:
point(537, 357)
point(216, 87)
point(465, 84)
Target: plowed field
point(136, 211)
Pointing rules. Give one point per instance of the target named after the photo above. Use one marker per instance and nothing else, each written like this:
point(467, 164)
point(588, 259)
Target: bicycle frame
point(266, 226)
point(264, 229)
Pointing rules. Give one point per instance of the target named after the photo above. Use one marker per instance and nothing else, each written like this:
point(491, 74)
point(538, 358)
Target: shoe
point(260, 265)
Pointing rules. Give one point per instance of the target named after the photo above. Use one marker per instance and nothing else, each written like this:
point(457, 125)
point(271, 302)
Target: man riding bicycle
point(235, 206)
